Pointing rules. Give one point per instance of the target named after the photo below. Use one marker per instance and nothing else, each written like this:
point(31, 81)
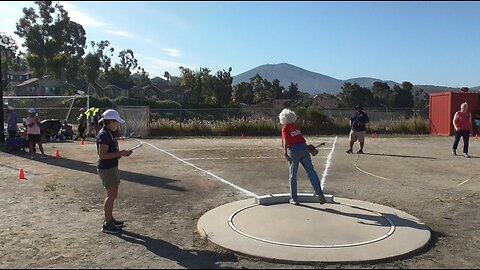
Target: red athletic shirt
point(292, 133)
point(464, 121)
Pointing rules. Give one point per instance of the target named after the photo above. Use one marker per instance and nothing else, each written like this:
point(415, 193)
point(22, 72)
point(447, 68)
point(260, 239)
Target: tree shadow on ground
point(190, 259)
point(143, 179)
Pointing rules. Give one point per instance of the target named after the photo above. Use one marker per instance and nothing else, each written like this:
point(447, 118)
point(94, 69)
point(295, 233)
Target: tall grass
point(267, 127)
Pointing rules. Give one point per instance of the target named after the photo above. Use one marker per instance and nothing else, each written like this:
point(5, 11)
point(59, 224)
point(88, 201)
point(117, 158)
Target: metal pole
point(274, 118)
point(88, 96)
point(2, 128)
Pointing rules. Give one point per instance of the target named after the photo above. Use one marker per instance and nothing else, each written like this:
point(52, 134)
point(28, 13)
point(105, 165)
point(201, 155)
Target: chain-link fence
point(179, 120)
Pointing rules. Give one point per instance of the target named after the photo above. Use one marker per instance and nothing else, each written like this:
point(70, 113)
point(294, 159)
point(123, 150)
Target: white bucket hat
point(112, 115)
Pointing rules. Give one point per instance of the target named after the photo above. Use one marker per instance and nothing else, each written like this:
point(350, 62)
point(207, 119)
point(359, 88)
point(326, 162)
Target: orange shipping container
point(443, 107)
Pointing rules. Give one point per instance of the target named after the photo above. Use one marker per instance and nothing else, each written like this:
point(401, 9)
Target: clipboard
point(135, 147)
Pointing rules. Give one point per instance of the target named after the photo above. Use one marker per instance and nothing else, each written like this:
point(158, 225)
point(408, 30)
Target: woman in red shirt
point(462, 122)
point(296, 152)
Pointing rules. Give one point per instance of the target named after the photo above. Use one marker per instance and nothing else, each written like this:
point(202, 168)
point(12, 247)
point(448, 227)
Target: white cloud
point(159, 66)
point(9, 9)
point(172, 52)
point(120, 33)
point(80, 17)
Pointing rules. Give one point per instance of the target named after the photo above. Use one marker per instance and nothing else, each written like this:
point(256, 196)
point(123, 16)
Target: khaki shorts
point(110, 177)
point(357, 135)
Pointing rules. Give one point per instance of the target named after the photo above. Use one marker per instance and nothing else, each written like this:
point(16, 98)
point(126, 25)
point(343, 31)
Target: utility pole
point(2, 128)
point(274, 114)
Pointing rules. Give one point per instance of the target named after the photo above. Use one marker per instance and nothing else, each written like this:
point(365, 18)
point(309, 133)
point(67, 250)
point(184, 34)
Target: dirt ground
point(53, 219)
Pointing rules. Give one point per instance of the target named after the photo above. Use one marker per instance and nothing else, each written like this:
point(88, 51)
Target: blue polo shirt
point(105, 136)
point(359, 119)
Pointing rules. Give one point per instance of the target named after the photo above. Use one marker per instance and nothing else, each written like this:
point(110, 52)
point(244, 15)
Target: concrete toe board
point(344, 231)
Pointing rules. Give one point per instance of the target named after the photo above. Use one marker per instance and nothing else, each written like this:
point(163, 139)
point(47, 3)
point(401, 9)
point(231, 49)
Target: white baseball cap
point(112, 115)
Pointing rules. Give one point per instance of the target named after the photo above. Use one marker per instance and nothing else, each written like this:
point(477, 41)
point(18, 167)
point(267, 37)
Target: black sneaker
point(119, 224)
point(293, 201)
point(466, 155)
point(454, 152)
point(349, 151)
point(322, 199)
point(360, 152)
point(111, 228)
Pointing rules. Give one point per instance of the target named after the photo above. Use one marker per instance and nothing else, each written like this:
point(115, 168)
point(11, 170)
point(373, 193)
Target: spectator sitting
point(67, 130)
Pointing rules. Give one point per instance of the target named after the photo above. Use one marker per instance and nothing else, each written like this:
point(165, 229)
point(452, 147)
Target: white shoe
point(294, 202)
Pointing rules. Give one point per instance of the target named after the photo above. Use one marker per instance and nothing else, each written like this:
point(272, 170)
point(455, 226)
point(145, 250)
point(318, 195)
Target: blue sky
point(435, 43)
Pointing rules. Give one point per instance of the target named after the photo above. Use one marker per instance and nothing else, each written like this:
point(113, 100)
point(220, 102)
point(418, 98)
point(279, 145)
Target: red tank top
point(464, 121)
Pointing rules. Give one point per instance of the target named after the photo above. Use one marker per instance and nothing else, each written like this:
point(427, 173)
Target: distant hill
point(439, 89)
point(315, 83)
point(307, 81)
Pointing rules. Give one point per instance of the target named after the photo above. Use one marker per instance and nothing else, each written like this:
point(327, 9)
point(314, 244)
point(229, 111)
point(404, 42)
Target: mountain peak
point(308, 81)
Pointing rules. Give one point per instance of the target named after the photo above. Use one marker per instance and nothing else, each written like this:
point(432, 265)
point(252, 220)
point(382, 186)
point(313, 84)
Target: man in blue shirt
point(358, 130)
point(12, 122)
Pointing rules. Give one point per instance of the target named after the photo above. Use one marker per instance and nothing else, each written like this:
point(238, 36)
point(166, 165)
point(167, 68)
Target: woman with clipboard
point(107, 167)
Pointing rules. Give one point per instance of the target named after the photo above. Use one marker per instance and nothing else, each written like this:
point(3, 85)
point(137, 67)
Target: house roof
point(111, 86)
point(27, 82)
point(125, 85)
point(12, 72)
point(102, 83)
point(12, 84)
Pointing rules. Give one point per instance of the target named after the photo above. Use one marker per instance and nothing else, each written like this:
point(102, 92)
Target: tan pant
point(110, 177)
point(357, 135)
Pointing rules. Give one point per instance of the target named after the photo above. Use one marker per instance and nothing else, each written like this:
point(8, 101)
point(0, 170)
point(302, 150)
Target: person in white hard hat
point(107, 167)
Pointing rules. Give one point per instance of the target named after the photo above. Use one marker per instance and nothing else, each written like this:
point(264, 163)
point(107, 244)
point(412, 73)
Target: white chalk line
point(233, 148)
point(226, 158)
point(466, 180)
point(327, 165)
point(246, 192)
point(356, 166)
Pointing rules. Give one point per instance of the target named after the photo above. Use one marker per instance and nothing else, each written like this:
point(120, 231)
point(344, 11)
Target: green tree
point(128, 62)
point(167, 76)
point(293, 91)
point(54, 43)
point(141, 78)
point(383, 95)
point(120, 74)
point(8, 53)
point(404, 95)
point(420, 99)
point(92, 67)
point(222, 88)
point(206, 83)
point(277, 89)
point(188, 80)
point(104, 52)
point(261, 90)
point(352, 94)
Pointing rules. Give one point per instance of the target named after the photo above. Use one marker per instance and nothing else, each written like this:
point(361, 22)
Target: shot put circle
point(340, 231)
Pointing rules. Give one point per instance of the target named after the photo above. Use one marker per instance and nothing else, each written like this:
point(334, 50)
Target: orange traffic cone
point(21, 176)
point(373, 135)
point(476, 137)
point(57, 154)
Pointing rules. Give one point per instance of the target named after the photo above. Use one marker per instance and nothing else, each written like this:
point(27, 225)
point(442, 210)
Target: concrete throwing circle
point(340, 231)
